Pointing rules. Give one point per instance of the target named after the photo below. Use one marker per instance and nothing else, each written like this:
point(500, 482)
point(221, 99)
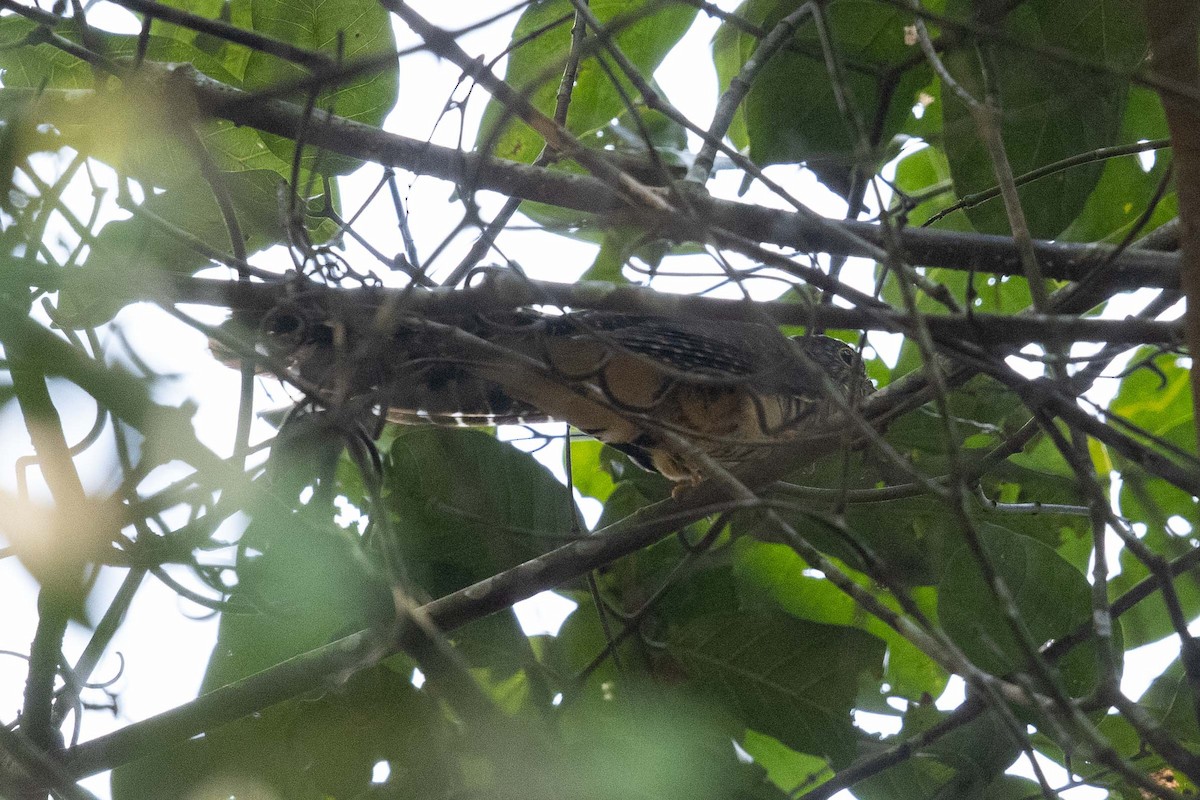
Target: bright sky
point(166, 640)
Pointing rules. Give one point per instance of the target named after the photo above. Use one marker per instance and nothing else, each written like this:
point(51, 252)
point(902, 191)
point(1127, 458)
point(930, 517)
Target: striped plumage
point(652, 387)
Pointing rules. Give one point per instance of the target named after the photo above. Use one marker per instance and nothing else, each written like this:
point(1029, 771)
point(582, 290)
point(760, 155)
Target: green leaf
point(580, 639)
point(465, 506)
point(647, 144)
point(302, 582)
point(1156, 398)
point(791, 113)
point(635, 486)
point(924, 176)
point(786, 768)
point(960, 764)
point(311, 749)
point(306, 585)
point(587, 473)
point(347, 31)
point(28, 62)
point(776, 572)
point(1126, 189)
point(1049, 111)
point(617, 246)
point(130, 132)
point(1051, 597)
point(789, 679)
point(1010, 787)
point(1125, 741)
point(1171, 702)
point(542, 40)
point(663, 744)
point(615, 249)
point(1148, 621)
point(235, 12)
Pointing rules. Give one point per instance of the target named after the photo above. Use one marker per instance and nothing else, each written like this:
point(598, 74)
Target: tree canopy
point(1013, 508)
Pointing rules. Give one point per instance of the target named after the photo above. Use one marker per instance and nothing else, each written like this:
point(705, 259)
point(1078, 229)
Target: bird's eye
point(283, 324)
point(848, 356)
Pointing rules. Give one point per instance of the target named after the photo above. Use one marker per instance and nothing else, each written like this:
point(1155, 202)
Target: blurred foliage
point(736, 669)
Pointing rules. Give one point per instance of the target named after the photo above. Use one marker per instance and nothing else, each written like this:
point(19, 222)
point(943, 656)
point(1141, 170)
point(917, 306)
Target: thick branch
point(60, 588)
point(1174, 27)
point(311, 670)
point(505, 291)
point(953, 250)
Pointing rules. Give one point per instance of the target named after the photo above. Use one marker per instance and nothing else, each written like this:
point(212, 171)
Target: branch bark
point(1174, 28)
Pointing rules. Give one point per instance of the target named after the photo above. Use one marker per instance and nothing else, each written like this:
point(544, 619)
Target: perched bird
point(670, 393)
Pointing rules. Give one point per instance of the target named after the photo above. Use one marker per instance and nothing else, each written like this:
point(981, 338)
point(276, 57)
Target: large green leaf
point(786, 768)
point(580, 639)
point(587, 475)
point(1050, 596)
point(1049, 111)
point(923, 178)
point(302, 582)
point(29, 61)
point(126, 130)
point(347, 31)
point(465, 506)
point(778, 573)
point(1126, 188)
point(1170, 700)
point(966, 762)
point(1149, 621)
point(303, 585)
point(1157, 398)
point(235, 12)
point(312, 749)
point(130, 131)
point(790, 679)
point(632, 741)
point(542, 40)
point(1126, 742)
point(462, 507)
point(915, 536)
point(147, 136)
point(791, 113)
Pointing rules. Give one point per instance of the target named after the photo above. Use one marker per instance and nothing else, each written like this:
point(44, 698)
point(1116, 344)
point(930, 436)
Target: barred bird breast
point(675, 395)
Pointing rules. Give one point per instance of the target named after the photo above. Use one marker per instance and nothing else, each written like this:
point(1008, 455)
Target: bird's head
point(841, 362)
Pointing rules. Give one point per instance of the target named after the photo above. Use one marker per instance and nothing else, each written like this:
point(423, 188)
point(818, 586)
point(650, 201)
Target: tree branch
point(505, 291)
point(936, 248)
point(1174, 28)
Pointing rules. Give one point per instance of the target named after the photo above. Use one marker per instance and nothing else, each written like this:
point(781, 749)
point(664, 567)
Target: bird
point(676, 395)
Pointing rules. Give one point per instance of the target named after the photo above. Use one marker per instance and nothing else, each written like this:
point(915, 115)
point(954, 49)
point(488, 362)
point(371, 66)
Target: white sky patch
point(1144, 664)
point(883, 724)
point(544, 613)
point(1056, 776)
point(1179, 526)
point(953, 695)
point(1146, 158)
